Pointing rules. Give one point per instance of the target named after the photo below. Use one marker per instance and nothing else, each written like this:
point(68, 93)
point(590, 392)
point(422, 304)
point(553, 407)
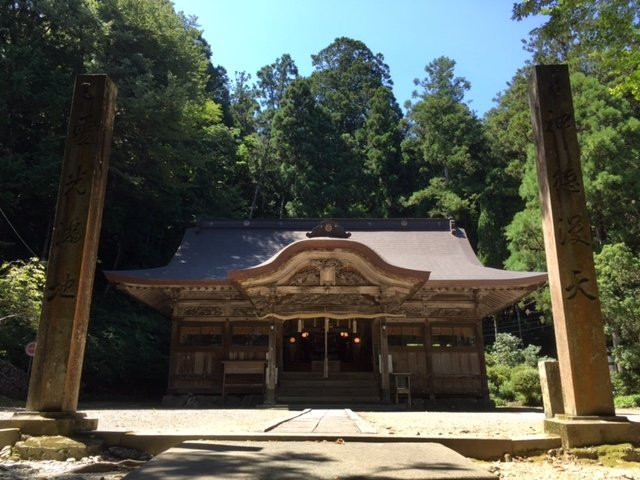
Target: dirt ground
point(499, 423)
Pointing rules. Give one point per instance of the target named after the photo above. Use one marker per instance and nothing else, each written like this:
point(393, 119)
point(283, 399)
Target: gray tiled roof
point(211, 250)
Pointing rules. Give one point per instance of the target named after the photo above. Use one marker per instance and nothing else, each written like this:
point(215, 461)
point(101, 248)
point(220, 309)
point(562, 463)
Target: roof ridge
point(358, 224)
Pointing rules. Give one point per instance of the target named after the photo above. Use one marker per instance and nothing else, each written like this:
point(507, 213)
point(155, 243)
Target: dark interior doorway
point(327, 345)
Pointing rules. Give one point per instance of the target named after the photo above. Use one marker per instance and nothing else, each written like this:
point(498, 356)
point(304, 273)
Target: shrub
point(627, 401)
point(512, 371)
point(498, 376)
point(526, 385)
point(507, 350)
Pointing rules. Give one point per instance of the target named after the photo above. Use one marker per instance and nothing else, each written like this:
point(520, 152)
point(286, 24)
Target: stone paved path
point(329, 421)
point(311, 460)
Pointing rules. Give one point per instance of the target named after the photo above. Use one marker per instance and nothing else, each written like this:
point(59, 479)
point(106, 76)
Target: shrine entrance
point(327, 346)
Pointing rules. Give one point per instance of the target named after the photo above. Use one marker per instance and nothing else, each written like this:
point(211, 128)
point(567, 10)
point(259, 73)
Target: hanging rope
point(17, 234)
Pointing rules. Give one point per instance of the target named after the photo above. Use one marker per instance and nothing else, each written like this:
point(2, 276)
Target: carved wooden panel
point(350, 277)
point(200, 311)
point(308, 276)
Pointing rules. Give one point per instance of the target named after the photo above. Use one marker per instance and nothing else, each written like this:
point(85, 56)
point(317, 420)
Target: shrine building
point(327, 311)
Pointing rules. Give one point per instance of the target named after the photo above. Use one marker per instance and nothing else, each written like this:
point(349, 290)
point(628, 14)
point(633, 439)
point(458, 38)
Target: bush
point(497, 376)
point(526, 385)
point(627, 401)
point(619, 385)
point(512, 371)
point(506, 350)
point(21, 285)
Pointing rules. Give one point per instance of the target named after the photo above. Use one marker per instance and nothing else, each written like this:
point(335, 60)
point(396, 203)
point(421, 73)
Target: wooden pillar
point(173, 352)
point(384, 362)
point(484, 379)
point(325, 359)
point(577, 316)
point(270, 379)
point(55, 376)
point(428, 344)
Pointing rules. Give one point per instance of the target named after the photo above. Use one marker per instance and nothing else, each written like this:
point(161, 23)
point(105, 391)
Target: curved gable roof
point(213, 249)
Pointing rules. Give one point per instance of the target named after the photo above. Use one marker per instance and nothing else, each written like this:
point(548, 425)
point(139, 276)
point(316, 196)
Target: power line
point(17, 234)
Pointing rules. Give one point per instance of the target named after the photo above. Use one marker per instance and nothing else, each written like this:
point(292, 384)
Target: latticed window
point(249, 335)
point(453, 336)
point(201, 336)
point(405, 335)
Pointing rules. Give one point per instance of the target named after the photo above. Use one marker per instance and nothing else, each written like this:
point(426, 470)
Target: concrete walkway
point(331, 421)
point(309, 459)
point(209, 460)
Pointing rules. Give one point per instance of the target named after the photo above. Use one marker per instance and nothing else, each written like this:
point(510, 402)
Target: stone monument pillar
point(55, 376)
point(578, 325)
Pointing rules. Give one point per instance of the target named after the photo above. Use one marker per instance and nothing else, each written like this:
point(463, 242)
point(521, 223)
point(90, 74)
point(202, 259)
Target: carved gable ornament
point(328, 228)
point(328, 272)
point(335, 276)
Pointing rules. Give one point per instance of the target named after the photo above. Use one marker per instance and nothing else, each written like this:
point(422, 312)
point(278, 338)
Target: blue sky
point(479, 35)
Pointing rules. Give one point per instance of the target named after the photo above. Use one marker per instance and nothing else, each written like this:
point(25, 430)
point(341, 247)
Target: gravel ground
point(499, 423)
point(206, 421)
point(563, 469)
point(507, 423)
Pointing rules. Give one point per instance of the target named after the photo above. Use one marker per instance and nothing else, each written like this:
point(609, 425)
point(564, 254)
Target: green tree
point(347, 75)
point(244, 104)
point(273, 82)
point(509, 135)
point(353, 85)
point(173, 158)
point(380, 139)
point(21, 286)
point(43, 45)
point(600, 37)
point(170, 144)
point(608, 135)
point(453, 156)
point(618, 269)
point(304, 140)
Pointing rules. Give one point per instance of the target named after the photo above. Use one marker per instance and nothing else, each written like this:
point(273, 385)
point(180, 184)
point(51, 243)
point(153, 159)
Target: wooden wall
point(434, 351)
point(453, 367)
point(196, 362)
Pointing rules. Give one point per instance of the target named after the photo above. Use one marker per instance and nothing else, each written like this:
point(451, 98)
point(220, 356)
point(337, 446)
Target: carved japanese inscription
point(57, 365)
point(576, 308)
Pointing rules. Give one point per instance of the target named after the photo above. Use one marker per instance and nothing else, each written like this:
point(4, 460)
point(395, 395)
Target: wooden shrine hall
point(326, 311)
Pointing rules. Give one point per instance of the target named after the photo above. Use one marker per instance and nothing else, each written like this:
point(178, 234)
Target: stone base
point(584, 431)
point(9, 436)
point(50, 423)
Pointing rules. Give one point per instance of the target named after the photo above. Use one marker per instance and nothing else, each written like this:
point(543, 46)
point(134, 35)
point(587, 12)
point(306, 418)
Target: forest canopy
point(191, 142)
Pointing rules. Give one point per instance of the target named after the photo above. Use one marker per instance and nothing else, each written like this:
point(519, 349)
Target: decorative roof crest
point(328, 228)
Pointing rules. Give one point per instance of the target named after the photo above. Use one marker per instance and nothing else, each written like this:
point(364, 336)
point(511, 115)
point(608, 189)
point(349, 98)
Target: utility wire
point(17, 234)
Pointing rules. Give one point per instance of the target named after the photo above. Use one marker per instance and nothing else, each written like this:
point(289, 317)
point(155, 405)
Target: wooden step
point(327, 383)
point(328, 400)
point(340, 388)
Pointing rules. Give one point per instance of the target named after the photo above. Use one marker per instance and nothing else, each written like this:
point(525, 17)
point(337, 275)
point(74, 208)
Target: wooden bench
point(244, 376)
point(403, 386)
